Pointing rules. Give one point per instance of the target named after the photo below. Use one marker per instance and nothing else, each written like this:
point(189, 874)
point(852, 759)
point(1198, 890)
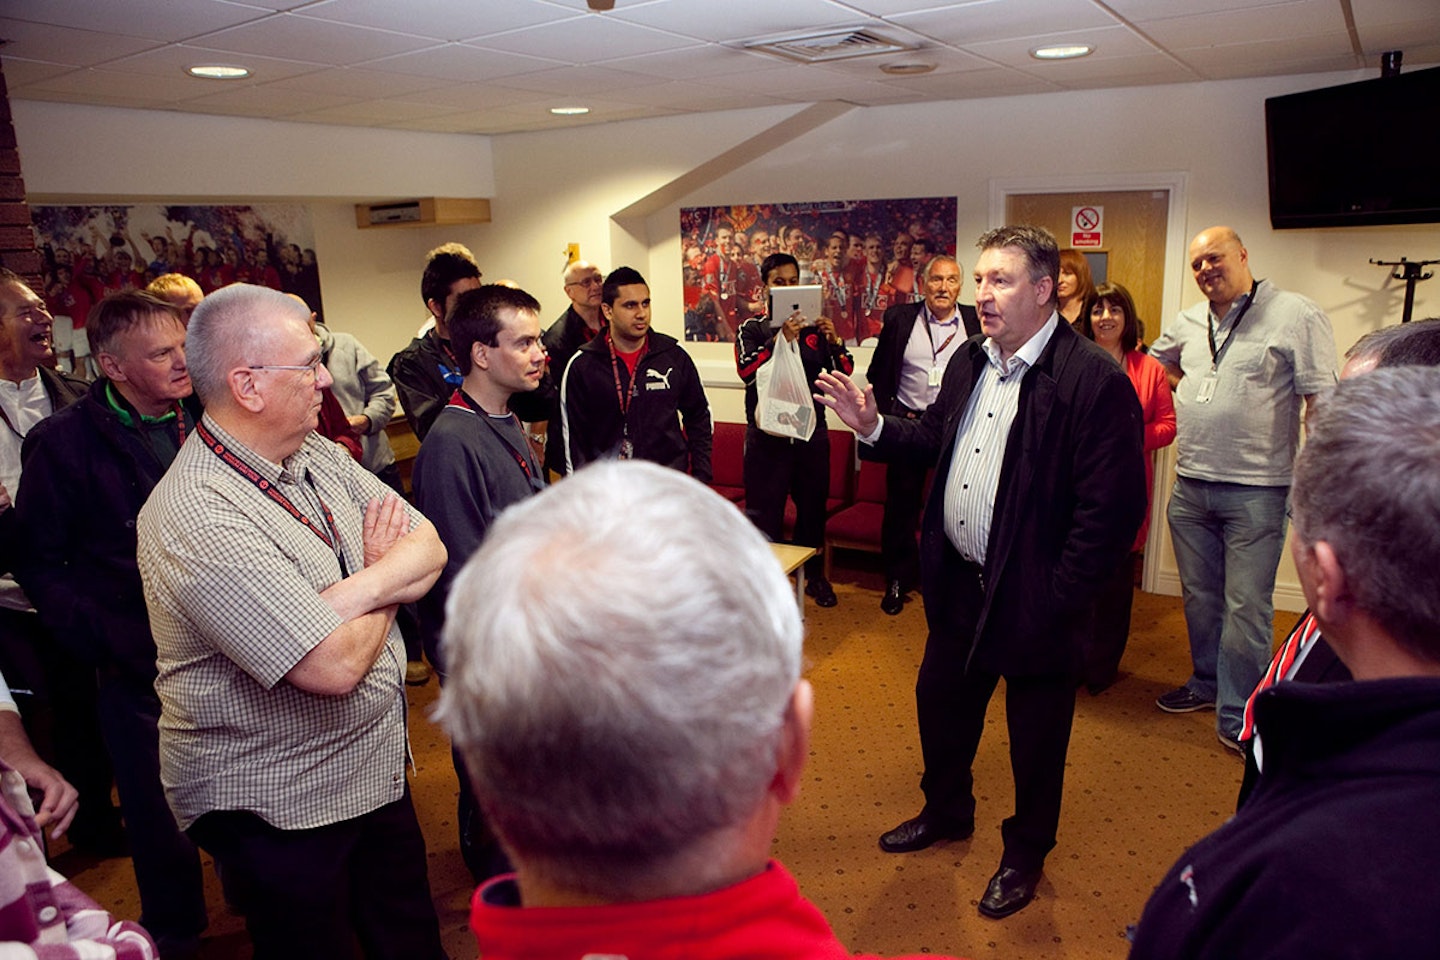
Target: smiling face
point(1012, 307)
point(874, 252)
point(1221, 266)
point(1107, 321)
point(25, 328)
point(1068, 284)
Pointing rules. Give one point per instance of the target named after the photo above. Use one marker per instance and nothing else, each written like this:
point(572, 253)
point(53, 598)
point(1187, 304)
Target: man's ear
point(794, 746)
point(436, 308)
point(606, 311)
point(1044, 289)
point(110, 366)
point(245, 390)
point(1334, 599)
point(479, 356)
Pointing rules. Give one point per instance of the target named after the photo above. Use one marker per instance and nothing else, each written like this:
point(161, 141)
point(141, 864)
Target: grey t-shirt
point(1249, 430)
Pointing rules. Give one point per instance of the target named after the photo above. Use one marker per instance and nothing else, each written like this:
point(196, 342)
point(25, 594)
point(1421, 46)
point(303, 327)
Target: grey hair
point(224, 333)
point(1400, 344)
point(943, 258)
point(1366, 483)
point(622, 652)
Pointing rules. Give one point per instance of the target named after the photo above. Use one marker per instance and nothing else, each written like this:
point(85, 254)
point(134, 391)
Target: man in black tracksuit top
point(779, 466)
point(634, 393)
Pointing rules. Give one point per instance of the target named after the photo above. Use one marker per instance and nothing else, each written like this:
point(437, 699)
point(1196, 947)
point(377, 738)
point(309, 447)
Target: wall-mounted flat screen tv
point(1356, 154)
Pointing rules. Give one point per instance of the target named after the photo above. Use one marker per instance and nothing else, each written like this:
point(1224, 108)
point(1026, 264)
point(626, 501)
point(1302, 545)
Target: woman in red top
point(1110, 320)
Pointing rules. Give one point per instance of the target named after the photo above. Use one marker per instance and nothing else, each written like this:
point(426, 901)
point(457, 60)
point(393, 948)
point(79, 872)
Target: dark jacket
point(755, 344)
point(1070, 498)
point(63, 390)
point(669, 417)
point(86, 477)
point(419, 373)
point(889, 357)
point(1334, 854)
point(566, 335)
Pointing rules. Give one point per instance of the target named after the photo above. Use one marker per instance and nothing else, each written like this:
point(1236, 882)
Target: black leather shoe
point(819, 590)
point(894, 600)
point(1008, 892)
point(921, 832)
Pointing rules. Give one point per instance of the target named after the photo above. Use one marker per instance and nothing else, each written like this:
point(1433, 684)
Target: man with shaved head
point(1244, 362)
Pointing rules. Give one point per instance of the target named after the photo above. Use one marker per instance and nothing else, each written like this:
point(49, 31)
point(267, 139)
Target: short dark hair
point(1115, 293)
point(441, 272)
point(477, 318)
point(774, 262)
point(1042, 254)
point(119, 313)
point(619, 277)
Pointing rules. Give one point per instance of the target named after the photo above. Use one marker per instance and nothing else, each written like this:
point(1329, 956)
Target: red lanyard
point(464, 401)
point(330, 539)
point(621, 395)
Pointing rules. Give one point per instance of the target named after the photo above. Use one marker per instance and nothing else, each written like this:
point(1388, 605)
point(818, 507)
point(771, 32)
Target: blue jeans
point(1228, 539)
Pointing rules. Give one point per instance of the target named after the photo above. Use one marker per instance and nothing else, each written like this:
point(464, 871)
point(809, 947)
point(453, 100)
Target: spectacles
point(313, 366)
point(587, 282)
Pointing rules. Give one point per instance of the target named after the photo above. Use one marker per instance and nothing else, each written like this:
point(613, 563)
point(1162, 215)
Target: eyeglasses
point(587, 282)
point(313, 366)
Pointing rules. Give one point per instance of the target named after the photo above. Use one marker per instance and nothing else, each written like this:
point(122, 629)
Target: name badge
point(1207, 388)
point(934, 376)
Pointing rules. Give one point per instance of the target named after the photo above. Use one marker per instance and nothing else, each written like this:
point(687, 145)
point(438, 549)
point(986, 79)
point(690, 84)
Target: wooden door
point(1132, 241)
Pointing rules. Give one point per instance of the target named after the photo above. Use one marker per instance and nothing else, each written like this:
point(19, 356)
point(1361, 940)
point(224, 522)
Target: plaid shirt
point(40, 909)
point(233, 584)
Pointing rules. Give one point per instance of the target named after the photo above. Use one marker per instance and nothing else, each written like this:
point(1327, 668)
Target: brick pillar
point(17, 239)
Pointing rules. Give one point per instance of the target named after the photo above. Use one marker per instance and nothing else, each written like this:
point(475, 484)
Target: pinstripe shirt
point(974, 476)
point(233, 584)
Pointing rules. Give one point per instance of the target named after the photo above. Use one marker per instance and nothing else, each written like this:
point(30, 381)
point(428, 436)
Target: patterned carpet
point(1140, 787)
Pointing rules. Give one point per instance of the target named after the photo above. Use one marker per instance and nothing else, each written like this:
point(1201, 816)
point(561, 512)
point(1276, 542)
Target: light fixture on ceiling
point(218, 71)
point(1065, 51)
point(911, 68)
point(569, 111)
point(601, 5)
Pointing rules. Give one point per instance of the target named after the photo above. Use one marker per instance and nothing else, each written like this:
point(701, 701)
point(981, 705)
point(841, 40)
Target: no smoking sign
point(1087, 225)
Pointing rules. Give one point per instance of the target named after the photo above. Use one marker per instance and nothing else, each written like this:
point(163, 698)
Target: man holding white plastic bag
point(782, 458)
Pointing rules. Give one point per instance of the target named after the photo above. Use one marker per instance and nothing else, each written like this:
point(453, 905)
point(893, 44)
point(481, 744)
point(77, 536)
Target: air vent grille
point(822, 47)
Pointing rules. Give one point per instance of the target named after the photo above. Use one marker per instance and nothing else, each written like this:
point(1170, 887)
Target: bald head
point(1221, 266)
point(232, 327)
point(583, 282)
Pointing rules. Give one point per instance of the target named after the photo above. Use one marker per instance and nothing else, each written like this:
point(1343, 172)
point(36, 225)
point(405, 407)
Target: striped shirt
point(974, 476)
point(233, 585)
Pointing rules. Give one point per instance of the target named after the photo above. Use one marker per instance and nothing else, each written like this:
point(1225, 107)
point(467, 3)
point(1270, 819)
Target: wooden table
point(792, 561)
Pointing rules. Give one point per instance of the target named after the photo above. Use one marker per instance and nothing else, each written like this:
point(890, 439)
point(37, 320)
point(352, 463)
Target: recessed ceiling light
point(218, 71)
point(1067, 51)
point(910, 69)
point(569, 111)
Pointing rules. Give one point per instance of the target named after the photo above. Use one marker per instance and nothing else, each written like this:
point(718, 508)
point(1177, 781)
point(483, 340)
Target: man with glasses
point(30, 391)
point(272, 565)
point(576, 327)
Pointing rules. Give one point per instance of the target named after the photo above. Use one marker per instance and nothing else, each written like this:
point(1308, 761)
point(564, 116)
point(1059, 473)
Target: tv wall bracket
point(1410, 272)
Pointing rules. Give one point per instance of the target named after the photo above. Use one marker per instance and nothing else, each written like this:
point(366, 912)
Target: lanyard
point(623, 396)
point(934, 350)
point(451, 374)
point(464, 401)
point(228, 457)
point(1215, 354)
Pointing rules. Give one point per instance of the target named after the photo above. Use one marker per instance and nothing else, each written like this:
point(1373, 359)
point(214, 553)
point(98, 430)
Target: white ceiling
point(496, 66)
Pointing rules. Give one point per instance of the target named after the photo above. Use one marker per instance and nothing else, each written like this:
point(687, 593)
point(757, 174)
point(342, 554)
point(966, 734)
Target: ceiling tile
point(1109, 42)
point(173, 59)
point(294, 37)
point(595, 38)
point(137, 18)
point(81, 48)
point(475, 96)
point(355, 82)
point(261, 102)
point(991, 20)
point(440, 19)
point(719, 22)
point(461, 63)
point(576, 81)
point(1299, 18)
point(19, 73)
point(137, 88)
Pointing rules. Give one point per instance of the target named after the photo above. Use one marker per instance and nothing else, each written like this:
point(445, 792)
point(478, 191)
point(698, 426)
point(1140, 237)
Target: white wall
point(549, 189)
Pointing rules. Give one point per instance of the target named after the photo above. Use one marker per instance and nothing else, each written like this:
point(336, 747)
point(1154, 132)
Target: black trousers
point(1110, 626)
point(167, 865)
point(951, 703)
point(904, 493)
point(320, 892)
point(778, 467)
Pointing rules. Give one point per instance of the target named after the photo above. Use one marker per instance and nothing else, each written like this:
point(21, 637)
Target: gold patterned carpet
point(1140, 786)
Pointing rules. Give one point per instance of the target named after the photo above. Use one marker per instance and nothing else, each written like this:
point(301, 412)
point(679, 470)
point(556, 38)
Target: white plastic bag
point(785, 408)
